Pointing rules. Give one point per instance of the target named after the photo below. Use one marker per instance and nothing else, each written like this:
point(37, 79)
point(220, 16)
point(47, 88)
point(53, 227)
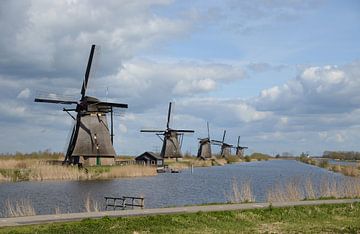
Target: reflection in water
point(205, 185)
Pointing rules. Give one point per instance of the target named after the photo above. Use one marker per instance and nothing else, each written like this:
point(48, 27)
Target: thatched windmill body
point(240, 149)
point(204, 151)
point(91, 141)
point(225, 147)
point(171, 138)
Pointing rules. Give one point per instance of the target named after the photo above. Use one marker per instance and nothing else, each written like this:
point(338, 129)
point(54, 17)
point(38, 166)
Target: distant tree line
point(34, 155)
point(342, 155)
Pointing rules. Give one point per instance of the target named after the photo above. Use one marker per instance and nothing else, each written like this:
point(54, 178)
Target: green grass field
point(341, 218)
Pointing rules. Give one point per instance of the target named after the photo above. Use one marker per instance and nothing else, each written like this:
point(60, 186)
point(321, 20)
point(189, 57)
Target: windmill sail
point(91, 138)
point(171, 147)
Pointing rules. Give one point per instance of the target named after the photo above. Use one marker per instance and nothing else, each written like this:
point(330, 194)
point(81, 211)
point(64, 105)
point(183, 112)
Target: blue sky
point(284, 75)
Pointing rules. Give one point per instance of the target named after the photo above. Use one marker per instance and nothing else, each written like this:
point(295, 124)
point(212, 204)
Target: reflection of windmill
point(172, 139)
point(204, 151)
point(225, 148)
point(91, 140)
point(239, 149)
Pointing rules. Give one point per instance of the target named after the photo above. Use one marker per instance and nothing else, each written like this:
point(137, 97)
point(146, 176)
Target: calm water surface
point(204, 185)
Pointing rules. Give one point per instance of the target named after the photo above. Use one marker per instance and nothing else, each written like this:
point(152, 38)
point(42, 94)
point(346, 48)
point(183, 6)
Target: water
point(205, 185)
point(342, 163)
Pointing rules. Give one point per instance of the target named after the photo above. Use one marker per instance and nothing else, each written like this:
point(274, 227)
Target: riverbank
point(347, 170)
point(45, 165)
point(305, 216)
point(14, 170)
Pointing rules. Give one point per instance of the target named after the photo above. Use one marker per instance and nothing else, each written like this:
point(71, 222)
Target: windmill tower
point(171, 138)
point(225, 148)
point(204, 151)
point(91, 141)
point(240, 149)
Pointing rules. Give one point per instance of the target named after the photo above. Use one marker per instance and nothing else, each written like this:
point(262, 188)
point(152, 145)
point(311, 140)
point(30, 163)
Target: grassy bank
point(348, 170)
point(340, 218)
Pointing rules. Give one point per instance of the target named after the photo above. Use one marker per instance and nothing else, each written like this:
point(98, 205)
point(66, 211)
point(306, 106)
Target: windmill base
point(94, 160)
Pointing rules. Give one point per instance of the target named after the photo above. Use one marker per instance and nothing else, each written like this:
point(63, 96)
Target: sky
point(283, 75)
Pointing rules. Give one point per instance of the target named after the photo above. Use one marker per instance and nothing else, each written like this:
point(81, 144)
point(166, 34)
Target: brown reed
point(22, 207)
point(243, 194)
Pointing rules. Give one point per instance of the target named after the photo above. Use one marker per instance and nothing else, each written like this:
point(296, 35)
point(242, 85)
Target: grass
point(337, 218)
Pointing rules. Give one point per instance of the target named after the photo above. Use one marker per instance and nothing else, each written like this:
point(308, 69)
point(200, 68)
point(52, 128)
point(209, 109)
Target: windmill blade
point(224, 136)
point(182, 130)
point(208, 129)
point(87, 73)
point(228, 145)
point(168, 117)
point(238, 142)
point(108, 104)
point(216, 142)
point(150, 130)
point(57, 101)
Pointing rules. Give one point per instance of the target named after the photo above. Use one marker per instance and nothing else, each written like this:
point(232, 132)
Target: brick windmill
point(239, 149)
point(171, 138)
point(225, 147)
point(91, 141)
point(204, 151)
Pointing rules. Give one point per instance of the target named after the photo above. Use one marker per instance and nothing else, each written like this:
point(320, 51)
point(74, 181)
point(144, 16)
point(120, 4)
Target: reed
point(201, 163)
point(295, 190)
point(309, 189)
point(39, 170)
point(90, 204)
point(22, 207)
point(232, 159)
point(128, 171)
point(350, 171)
point(219, 162)
point(243, 194)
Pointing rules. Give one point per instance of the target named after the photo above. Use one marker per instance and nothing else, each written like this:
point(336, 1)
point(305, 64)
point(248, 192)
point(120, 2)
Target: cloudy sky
point(285, 75)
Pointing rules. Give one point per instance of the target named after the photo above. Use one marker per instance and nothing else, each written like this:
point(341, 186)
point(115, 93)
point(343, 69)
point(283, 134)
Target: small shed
point(150, 158)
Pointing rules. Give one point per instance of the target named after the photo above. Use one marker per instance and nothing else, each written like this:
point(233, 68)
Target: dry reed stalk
point(201, 163)
point(349, 171)
point(57, 210)
point(336, 168)
point(129, 171)
point(179, 166)
point(91, 205)
point(21, 208)
point(4, 178)
point(324, 187)
point(276, 194)
point(351, 188)
point(293, 190)
point(220, 161)
point(244, 194)
point(18, 163)
point(52, 172)
point(309, 189)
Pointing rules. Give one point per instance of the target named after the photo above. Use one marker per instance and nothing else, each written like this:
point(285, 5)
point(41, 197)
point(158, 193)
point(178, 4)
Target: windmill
point(204, 151)
point(91, 141)
point(225, 148)
point(171, 138)
point(239, 149)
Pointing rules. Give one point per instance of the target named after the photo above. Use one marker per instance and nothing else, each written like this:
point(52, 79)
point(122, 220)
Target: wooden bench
point(123, 202)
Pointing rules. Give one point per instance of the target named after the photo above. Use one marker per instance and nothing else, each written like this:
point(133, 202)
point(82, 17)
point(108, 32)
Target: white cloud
point(315, 90)
point(24, 94)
